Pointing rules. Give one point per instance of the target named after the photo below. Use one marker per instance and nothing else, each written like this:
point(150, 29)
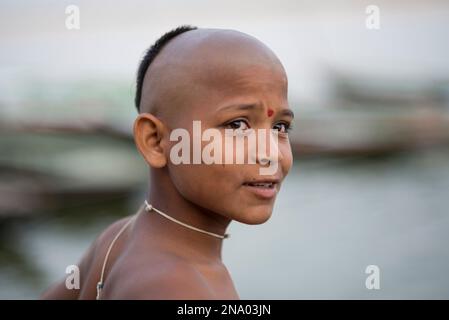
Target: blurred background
point(370, 183)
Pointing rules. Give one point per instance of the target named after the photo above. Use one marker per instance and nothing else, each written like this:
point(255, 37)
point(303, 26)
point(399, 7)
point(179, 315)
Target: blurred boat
point(372, 116)
point(44, 167)
point(358, 132)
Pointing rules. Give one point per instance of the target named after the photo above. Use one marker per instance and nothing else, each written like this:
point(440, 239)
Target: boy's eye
point(282, 127)
point(238, 125)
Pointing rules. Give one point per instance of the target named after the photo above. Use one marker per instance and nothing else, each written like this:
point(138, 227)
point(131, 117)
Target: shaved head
point(201, 66)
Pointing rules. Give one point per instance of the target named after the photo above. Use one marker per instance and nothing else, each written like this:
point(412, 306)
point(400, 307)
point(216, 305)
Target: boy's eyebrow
point(287, 112)
point(252, 106)
point(247, 106)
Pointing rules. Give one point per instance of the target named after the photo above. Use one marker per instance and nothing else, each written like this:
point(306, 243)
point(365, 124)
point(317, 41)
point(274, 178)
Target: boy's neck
point(192, 244)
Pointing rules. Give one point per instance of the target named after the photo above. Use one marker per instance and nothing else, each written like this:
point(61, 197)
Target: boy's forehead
point(198, 62)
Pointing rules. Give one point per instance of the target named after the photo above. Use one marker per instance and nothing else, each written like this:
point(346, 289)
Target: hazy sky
point(310, 38)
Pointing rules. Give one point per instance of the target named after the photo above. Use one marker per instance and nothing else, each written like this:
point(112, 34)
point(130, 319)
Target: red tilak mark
point(270, 112)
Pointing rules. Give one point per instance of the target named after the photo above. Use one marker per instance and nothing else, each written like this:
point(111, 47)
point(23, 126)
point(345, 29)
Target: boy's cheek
point(287, 160)
point(218, 189)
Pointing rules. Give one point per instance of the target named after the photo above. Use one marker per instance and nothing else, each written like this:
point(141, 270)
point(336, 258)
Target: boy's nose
point(267, 147)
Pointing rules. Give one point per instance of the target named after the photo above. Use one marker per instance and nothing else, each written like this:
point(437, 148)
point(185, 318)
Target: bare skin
point(226, 79)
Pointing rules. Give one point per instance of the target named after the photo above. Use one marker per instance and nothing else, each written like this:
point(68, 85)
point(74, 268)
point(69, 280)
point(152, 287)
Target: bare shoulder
point(166, 277)
point(89, 266)
point(92, 261)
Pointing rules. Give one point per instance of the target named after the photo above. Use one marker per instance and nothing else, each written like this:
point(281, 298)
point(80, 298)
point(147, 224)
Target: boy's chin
point(254, 215)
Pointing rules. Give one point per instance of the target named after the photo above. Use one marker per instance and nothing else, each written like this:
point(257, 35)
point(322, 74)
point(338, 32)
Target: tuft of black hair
point(151, 54)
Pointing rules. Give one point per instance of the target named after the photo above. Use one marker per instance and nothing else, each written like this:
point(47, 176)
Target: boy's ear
point(148, 134)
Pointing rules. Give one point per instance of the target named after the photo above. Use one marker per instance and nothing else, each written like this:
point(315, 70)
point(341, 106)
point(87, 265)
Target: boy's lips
point(265, 189)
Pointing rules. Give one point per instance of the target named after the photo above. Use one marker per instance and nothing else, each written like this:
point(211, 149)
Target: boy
point(171, 248)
